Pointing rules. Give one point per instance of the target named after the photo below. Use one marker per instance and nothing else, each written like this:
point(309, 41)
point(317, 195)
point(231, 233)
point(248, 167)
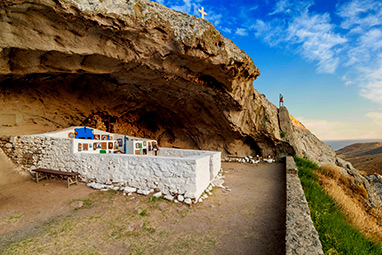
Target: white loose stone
point(143, 192)
point(188, 201)
point(115, 188)
point(168, 197)
point(158, 194)
point(200, 200)
point(130, 189)
point(129, 194)
point(176, 201)
point(180, 198)
point(205, 196)
point(209, 193)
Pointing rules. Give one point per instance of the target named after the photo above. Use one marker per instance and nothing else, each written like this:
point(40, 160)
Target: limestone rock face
point(306, 144)
point(139, 68)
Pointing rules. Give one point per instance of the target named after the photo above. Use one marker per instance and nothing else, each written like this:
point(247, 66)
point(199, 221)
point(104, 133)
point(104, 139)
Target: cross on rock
point(201, 10)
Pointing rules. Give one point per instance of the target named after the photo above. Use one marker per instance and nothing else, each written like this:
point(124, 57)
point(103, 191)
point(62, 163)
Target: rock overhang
point(134, 67)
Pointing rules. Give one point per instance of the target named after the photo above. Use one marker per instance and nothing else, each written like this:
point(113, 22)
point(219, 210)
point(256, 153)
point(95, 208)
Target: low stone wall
point(189, 175)
point(301, 236)
point(215, 157)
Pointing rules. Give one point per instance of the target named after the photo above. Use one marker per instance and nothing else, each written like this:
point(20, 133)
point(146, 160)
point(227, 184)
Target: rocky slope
point(139, 68)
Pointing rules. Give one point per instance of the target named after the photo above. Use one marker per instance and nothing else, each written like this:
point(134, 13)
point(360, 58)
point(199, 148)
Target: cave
point(143, 108)
point(173, 78)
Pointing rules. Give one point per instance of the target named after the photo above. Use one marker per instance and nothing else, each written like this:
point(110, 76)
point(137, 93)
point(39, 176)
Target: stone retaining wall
point(301, 236)
point(188, 175)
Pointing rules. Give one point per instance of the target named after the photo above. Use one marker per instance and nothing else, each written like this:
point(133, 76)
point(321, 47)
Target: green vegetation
point(282, 134)
point(336, 234)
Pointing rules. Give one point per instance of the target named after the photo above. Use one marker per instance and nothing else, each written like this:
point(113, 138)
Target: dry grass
point(331, 172)
point(353, 208)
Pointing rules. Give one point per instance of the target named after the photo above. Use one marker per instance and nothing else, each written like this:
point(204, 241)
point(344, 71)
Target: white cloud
point(317, 40)
point(360, 14)
point(371, 88)
point(241, 32)
point(291, 7)
point(160, 1)
point(183, 6)
point(227, 30)
point(280, 6)
point(313, 34)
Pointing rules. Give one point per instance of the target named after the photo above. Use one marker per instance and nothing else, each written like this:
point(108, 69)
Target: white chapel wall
point(172, 174)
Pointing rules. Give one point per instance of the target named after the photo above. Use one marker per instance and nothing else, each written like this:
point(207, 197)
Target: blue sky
point(325, 57)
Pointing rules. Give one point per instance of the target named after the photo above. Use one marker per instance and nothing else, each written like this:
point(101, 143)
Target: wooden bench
point(42, 173)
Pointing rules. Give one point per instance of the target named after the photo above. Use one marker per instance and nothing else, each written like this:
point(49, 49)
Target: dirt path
point(256, 209)
point(249, 219)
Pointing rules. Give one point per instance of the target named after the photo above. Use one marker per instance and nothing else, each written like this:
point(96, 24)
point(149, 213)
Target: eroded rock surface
point(139, 68)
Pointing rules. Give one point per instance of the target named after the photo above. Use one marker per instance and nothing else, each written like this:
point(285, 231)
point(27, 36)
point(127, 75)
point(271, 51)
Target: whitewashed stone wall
point(173, 171)
point(215, 157)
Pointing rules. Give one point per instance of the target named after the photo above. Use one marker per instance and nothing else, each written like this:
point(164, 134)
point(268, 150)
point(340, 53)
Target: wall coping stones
point(301, 236)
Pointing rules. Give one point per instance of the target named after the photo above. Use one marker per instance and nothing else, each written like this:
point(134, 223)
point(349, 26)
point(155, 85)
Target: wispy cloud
point(360, 14)
point(227, 30)
point(313, 35)
point(241, 32)
point(371, 87)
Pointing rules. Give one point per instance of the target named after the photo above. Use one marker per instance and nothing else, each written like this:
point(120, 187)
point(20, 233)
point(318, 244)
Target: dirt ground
point(249, 219)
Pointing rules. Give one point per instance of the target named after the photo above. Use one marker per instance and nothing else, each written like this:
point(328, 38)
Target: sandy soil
point(249, 219)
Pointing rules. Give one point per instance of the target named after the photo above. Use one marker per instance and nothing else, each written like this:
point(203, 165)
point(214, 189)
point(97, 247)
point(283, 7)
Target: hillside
point(366, 157)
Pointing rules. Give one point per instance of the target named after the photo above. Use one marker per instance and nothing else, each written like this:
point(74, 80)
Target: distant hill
point(364, 156)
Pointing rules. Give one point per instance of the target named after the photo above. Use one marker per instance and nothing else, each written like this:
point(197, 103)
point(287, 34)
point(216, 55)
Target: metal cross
point(202, 12)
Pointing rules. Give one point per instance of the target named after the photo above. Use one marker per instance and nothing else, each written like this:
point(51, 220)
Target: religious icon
point(80, 147)
point(99, 146)
point(137, 152)
point(137, 145)
point(103, 146)
point(116, 147)
point(111, 137)
point(111, 146)
point(144, 143)
point(104, 137)
point(97, 137)
point(85, 147)
point(95, 146)
point(119, 142)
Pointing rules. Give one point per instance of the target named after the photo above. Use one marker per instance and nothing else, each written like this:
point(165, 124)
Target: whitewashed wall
point(188, 174)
